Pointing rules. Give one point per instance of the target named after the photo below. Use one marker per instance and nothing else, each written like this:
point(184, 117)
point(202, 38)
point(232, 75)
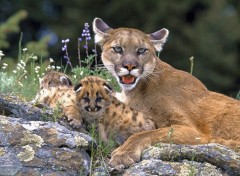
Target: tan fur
point(175, 99)
point(115, 119)
point(55, 79)
point(56, 91)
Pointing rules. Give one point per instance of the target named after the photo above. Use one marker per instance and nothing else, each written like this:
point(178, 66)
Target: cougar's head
point(93, 96)
point(128, 54)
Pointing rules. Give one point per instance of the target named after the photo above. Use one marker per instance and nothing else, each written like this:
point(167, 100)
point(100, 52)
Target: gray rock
point(217, 155)
point(159, 167)
point(13, 106)
point(182, 160)
point(9, 163)
point(35, 148)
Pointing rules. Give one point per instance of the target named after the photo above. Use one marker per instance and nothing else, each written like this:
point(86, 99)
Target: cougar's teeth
point(128, 79)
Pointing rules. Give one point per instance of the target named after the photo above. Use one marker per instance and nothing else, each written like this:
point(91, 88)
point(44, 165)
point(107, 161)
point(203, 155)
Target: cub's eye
point(141, 50)
point(86, 99)
point(98, 99)
point(117, 49)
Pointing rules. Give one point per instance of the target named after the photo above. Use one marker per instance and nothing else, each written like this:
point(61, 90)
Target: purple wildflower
point(64, 47)
point(66, 56)
point(65, 41)
point(87, 36)
point(86, 32)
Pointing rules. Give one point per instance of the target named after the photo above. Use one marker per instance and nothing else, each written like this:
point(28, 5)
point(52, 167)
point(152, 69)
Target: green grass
point(238, 96)
point(15, 85)
point(101, 151)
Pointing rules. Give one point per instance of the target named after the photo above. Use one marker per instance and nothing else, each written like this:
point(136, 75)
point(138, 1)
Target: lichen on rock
point(32, 139)
point(27, 154)
point(3, 121)
point(80, 141)
point(2, 151)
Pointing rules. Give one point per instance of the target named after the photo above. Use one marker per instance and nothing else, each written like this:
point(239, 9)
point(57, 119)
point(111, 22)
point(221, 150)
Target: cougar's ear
point(78, 87)
point(159, 38)
point(65, 81)
point(107, 87)
point(100, 28)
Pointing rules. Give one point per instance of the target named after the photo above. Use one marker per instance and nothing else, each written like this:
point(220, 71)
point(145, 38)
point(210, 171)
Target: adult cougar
point(176, 100)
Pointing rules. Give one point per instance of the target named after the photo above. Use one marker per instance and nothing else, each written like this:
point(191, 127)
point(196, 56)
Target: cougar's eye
point(86, 99)
point(141, 50)
point(117, 49)
point(98, 99)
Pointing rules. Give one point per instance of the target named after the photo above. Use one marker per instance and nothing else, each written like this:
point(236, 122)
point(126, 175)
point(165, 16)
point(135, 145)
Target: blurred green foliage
point(207, 30)
point(11, 26)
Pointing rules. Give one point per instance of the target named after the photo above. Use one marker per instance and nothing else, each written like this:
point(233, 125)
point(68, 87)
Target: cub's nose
point(93, 108)
point(89, 108)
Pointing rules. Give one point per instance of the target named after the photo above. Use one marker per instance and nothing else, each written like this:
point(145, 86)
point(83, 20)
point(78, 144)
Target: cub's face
point(93, 96)
point(49, 84)
point(128, 54)
point(55, 79)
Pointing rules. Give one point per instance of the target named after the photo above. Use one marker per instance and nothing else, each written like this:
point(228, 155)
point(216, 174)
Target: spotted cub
point(56, 91)
point(94, 97)
point(55, 79)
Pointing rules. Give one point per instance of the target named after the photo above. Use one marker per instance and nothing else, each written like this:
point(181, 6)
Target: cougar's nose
point(90, 108)
point(130, 65)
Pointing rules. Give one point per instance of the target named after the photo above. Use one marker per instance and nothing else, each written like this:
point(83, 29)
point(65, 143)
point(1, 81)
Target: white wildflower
point(24, 49)
point(5, 64)
point(14, 71)
point(1, 54)
point(81, 73)
point(58, 67)
point(22, 63)
point(4, 67)
point(20, 84)
point(75, 76)
point(51, 60)
point(34, 57)
point(20, 66)
point(53, 67)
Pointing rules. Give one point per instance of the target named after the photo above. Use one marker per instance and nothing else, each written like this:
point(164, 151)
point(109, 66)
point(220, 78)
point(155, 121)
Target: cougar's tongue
point(129, 79)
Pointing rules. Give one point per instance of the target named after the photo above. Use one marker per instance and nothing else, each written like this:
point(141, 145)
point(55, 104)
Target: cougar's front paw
point(121, 158)
point(75, 123)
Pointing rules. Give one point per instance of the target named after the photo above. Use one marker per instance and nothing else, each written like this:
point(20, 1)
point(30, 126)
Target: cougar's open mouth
point(127, 79)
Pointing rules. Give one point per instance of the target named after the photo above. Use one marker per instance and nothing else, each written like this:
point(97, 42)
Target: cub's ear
point(66, 81)
point(100, 28)
point(78, 87)
point(159, 38)
point(107, 87)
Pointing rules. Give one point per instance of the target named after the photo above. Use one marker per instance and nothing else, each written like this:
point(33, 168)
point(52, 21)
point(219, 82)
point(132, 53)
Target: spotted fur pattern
point(56, 91)
point(96, 102)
